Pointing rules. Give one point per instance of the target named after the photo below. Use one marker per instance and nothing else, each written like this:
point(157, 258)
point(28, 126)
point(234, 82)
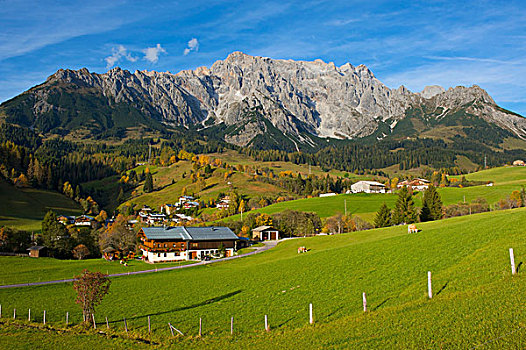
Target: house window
point(165, 245)
point(165, 255)
point(174, 245)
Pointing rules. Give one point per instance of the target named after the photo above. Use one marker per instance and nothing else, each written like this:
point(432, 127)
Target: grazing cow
point(412, 229)
point(302, 250)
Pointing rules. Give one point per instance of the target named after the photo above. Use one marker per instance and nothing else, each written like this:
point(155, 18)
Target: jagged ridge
point(303, 100)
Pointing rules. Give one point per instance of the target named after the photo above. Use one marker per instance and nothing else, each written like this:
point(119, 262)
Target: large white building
point(368, 187)
point(161, 244)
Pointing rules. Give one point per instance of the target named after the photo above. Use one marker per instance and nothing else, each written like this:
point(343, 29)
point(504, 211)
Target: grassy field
point(25, 208)
point(506, 175)
point(506, 180)
point(25, 269)
point(476, 300)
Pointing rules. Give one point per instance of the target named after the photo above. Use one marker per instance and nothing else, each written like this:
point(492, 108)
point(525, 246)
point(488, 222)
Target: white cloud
point(193, 45)
point(118, 53)
point(152, 53)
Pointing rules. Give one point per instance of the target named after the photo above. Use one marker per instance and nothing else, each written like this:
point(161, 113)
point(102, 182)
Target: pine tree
point(120, 197)
point(404, 211)
point(383, 217)
point(432, 205)
point(148, 183)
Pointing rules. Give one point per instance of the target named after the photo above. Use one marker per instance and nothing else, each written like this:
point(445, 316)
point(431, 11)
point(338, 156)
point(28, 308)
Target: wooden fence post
point(171, 330)
point(107, 323)
point(311, 318)
point(364, 298)
point(266, 323)
point(29, 315)
point(125, 326)
point(232, 325)
point(44, 316)
point(94, 324)
point(512, 261)
point(429, 289)
point(14, 314)
point(0, 310)
point(67, 318)
point(199, 326)
point(149, 327)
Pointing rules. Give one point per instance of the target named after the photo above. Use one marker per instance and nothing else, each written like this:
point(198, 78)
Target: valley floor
point(476, 301)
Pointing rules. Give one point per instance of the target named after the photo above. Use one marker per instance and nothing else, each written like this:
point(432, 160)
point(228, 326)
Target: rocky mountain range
point(248, 99)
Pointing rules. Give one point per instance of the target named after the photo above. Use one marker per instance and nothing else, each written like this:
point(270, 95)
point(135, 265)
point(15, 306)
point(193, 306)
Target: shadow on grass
point(203, 303)
point(443, 287)
point(381, 304)
point(519, 267)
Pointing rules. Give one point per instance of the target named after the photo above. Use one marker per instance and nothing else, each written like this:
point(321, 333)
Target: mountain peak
point(431, 91)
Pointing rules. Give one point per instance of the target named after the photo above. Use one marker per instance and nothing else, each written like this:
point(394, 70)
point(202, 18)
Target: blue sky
point(411, 43)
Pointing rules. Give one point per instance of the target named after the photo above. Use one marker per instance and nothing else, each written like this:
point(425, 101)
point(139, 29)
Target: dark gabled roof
point(36, 247)
point(190, 233)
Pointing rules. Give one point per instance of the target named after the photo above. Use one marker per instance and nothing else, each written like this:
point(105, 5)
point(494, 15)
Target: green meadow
point(24, 208)
point(506, 180)
point(476, 301)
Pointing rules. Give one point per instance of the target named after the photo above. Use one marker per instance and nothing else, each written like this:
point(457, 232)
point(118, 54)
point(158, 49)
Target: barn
point(265, 233)
point(368, 187)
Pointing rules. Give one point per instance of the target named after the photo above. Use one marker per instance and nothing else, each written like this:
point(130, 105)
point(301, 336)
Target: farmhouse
point(265, 233)
point(519, 162)
point(84, 220)
point(416, 184)
point(368, 187)
point(159, 244)
point(223, 204)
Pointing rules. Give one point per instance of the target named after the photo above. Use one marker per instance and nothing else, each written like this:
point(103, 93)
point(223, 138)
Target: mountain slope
point(253, 96)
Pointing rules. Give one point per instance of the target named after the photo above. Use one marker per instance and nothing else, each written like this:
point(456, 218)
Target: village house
point(415, 184)
point(265, 233)
point(84, 220)
point(169, 209)
point(160, 244)
point(222, 205)
point(190, 205)
point(519, 162)
point(184, 199)
point(66, 220)
point(368, 187)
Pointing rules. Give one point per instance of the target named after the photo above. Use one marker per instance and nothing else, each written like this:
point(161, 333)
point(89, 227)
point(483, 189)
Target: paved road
point(268, 245)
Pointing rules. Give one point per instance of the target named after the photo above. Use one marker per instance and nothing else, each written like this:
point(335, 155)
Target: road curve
point(268, 245)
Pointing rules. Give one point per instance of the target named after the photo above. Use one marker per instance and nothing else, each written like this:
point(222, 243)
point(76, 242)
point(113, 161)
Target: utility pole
point(485, 163)
point(345, 203)
point(309, 169)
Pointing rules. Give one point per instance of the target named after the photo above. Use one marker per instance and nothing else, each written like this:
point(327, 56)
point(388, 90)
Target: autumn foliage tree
point(91, 288)
point(80, 251)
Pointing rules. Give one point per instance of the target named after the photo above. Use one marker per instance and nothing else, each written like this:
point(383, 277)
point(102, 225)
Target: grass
point(25, 208)
point(506, 180)
point(24, 269)
point(476, 299)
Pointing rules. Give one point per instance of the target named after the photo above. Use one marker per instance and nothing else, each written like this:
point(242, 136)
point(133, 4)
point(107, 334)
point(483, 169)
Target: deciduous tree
point(91, 288)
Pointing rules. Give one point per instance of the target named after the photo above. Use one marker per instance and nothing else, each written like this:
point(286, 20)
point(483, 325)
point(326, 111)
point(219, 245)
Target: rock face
point(301, 99)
